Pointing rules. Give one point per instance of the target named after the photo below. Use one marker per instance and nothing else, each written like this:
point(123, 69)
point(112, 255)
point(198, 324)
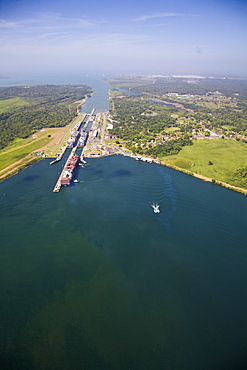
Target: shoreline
point(200, 177)
point(29, 160)
point(32, 161)
point(208, 179)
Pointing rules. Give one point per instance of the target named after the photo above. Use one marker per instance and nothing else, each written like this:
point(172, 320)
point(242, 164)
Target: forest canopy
point(26, 109)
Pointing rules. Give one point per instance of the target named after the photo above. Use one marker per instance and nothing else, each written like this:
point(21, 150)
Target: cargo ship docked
point(68, 170)
point(83, 139)
point(72, 140)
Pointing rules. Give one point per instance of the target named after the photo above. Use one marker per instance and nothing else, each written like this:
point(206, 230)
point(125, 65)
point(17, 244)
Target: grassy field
point(171, 129)
point(52, 150)
point(20, 150)
point(217, 159)
point(123, 84)
point(8, 104)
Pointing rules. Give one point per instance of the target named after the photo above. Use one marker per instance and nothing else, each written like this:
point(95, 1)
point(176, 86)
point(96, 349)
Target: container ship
point(68, 170)
point(72, 140)
point(83, 139)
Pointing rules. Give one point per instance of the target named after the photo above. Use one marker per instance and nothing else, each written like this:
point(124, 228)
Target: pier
point(60, 156)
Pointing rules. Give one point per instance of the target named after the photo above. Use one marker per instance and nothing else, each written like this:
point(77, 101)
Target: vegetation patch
point(239, 177)
point(172, 129)
point(129, 83)
point(213, 118)
point(227, 158)
point(12, 156)
point(8, 105)
point(145, 133)
point(27, 110)
point(182, 163)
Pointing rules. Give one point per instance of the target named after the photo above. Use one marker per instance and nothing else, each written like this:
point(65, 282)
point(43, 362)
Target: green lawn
point(227, 156)
point(172, 129)
point(229, 127)
point(8, 104)
point(11, 156)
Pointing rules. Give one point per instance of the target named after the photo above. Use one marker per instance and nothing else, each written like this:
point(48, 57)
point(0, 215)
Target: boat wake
point(156, 186)
point(155, 208)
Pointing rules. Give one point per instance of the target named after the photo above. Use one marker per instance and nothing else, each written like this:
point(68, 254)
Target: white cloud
point(77, 45)
point(6, 24)
point(161, 15)
point(44, 28)
point(47, 21)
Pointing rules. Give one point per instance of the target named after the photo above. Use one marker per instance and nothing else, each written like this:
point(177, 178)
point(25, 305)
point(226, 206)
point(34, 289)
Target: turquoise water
point(92, 278)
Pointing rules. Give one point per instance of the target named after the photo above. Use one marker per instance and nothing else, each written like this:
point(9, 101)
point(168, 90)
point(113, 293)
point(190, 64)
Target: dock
point(82, 158)
point(60, 156)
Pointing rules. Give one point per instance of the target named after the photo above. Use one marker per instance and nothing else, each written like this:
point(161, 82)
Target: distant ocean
point(91, 278)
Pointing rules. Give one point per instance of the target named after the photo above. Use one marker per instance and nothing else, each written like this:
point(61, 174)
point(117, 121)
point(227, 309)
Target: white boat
point(76, 180)
point(155, 208)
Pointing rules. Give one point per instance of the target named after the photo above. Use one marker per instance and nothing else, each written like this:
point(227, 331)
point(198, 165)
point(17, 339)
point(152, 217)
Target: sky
point(129, 36)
